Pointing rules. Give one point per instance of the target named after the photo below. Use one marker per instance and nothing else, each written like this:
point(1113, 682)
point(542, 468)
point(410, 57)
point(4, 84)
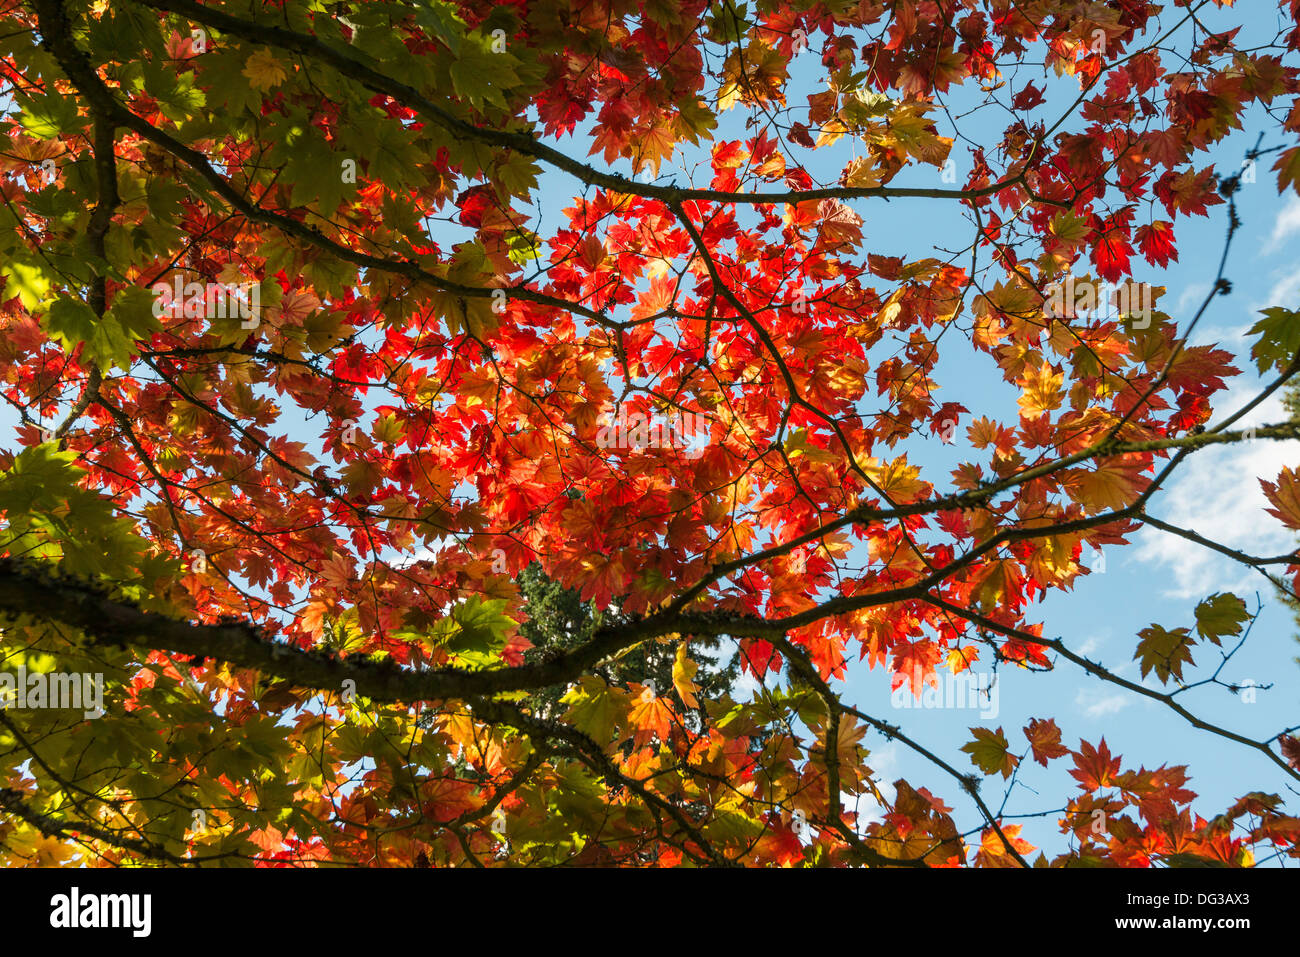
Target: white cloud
point(1286, 224)
point(883, 762)
point(1191, 297)
point(1216, 493)
point(1099, 702)
point(1091, 643)
point(1285, 291)
point(745, 686)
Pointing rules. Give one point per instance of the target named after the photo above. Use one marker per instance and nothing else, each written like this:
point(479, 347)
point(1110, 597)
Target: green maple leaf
point(1279, 338)
point(515, 175)
point(48, 116)
point(595, 709)
point(25, 278)
point(131, 317)
point(474, 631)
point(1219, 615)
point(70, 321)
point(123, 31)
point(177, 97)
point(393, 158)
point(524, 246)
point(481, 74)
point(440, 20)
point(990, 752)
point(1164, 651)
point(110, 339)
point(49, 514)
point(314, 170)
point(229, 91)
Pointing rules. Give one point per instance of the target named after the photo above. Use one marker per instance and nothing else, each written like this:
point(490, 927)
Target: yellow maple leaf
point(1051, 560)
point(1042, 393)
point(654, 144)
point(861, 173)
point(754, 74)
point(911, 132)
point(1109, 487)
point(993, 850)
point(960, 659)
point(264, 70)
point(899, 480)
point(683, 672)
point(1014, 299)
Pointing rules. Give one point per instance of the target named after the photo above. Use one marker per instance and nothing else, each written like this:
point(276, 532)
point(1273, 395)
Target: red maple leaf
point(1156, 241)
point(1094, 767)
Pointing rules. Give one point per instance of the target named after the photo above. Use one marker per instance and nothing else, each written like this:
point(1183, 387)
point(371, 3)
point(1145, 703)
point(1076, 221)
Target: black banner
point(173, 907)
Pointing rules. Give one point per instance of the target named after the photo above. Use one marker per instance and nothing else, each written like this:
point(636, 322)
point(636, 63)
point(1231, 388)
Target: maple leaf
point(1042, 391)
point(850, 752)
point(862, 173)
point(1001, 585)
point(1094, 768)
point(650, 717)
point(1189, 192)
point(338, 571)
point(914, 665)
point(1110, 486)
point(1200, 369)
point(1045, 739)
point(993, 849)
point(839, 225)
point(1285, 496)
point(684, 670)
point(1288, 170)
point(1166, 147)
point(961, 659)
point(1111, 252)
point(264, 70)
point(654, 145)
point(1290, 745)
point(1164, 651)
point(1279, 338)
point(752, 74)
point(1156, 240)
point(990, 752)
point(1028, 98)
point(1220, 615)
point(595, 708)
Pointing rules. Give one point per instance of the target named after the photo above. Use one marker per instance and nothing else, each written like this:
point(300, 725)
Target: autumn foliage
point(590, 289)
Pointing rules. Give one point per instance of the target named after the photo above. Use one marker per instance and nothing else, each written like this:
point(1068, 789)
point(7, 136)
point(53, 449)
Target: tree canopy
point(471, 434)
